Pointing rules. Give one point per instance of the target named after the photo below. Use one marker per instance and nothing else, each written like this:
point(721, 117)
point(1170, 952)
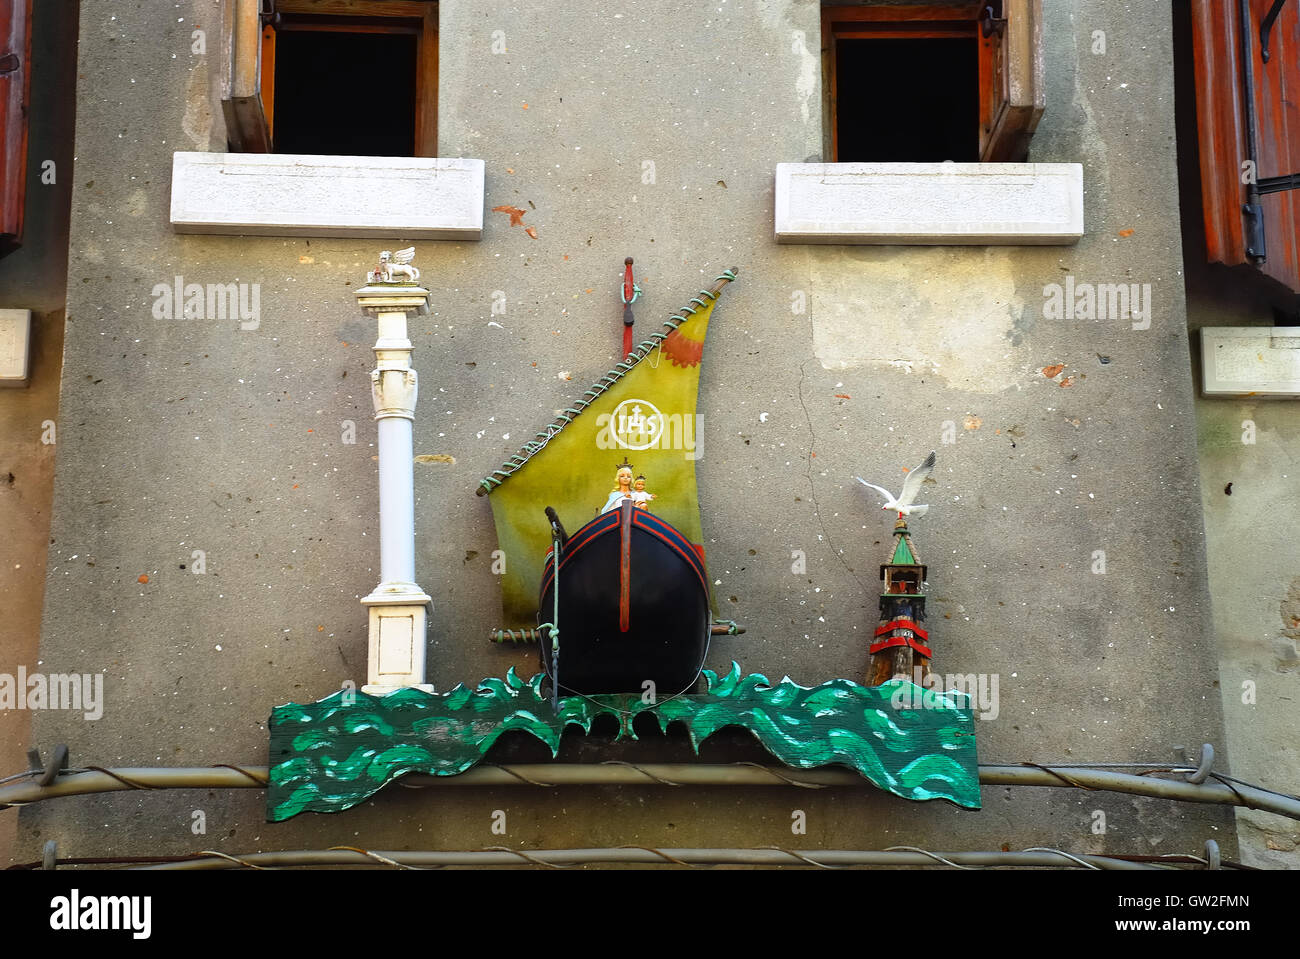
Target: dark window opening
point(345, 94)
point(907, 100)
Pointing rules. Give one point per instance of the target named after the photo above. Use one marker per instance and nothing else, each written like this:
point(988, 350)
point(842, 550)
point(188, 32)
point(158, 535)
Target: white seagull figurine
point(911, 487)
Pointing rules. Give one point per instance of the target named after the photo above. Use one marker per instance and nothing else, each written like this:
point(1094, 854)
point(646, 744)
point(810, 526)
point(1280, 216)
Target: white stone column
point(399, 609)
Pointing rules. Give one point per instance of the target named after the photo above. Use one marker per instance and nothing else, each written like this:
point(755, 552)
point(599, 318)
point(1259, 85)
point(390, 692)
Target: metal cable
point(777, 773)
point(375, 856)
point(1176, 768)
point(662, 855)
point(800, 857)
point(1230, 792)
point(1113, 861)
point(524, 856)
point(649, 855)
point(929, 855)
point(1052, 772)
point(1058, 852)
point(657, 780)
point(26, 774)
point(236, 860)
point(501, 855)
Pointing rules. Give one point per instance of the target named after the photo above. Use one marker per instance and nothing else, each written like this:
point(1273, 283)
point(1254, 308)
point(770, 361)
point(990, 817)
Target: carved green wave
point(330, 755)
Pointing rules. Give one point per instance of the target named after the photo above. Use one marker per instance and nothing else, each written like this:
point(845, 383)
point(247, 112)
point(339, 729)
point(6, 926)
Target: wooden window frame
point(248, 91)
point(1010, 63)
point(15, 98)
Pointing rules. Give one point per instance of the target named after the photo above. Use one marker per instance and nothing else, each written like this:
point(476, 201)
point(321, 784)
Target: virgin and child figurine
point(626, 487)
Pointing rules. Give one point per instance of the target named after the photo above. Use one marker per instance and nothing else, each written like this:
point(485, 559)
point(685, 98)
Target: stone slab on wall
point(1251, 361)
point(923, 203)
point(285, 194)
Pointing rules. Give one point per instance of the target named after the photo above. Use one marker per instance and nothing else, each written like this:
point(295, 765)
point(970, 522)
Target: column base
point(371, 690)
point(399, 616)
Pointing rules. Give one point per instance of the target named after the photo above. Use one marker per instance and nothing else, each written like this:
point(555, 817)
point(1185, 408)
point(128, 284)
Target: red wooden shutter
point(1221, 93)
point(1011, 80)
point(15, 82)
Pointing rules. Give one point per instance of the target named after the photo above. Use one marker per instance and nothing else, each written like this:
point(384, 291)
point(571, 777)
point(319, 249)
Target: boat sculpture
point(627, 607)
point(623, 613)
point(633, 606)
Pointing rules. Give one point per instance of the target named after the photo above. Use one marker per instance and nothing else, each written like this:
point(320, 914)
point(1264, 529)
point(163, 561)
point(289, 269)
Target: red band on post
point(901, 641)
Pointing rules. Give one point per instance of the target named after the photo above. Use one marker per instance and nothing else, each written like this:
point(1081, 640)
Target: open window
point(928, 113)
point(1247, 72)
point(960, 81)
point(15, 74)
point(331, 113)
point(298, 76)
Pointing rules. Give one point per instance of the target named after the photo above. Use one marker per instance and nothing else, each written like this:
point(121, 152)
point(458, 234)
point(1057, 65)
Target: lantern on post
point(901, 646)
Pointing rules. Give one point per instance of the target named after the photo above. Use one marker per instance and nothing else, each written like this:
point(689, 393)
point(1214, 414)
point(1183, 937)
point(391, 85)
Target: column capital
point(394, 392)
point(377, 298)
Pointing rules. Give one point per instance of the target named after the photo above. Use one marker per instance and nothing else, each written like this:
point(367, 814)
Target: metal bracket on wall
point(1276, 184)
point(1256, 245)
point(993, 20)
point(1266, 27)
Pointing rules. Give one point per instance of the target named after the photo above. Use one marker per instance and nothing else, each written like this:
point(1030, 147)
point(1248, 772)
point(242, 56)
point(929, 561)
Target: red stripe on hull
point(692, 559)
point(642, 520)
point(625, 566)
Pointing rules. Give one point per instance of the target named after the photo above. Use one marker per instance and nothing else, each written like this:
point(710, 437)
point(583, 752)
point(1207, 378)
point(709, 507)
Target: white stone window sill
point(280, 194)
point(1251, 361)
point(929, 203)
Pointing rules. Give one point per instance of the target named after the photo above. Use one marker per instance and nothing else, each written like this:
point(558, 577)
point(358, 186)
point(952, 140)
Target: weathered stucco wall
point(822, 363)
point(32, 277)
point(1250, 494)
point(1246, 450)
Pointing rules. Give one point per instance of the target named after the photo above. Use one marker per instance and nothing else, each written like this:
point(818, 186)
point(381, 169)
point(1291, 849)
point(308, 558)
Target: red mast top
point(630, 293)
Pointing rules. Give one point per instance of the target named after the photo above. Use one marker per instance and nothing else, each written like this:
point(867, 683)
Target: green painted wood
point(330, 755)
point(902, 554)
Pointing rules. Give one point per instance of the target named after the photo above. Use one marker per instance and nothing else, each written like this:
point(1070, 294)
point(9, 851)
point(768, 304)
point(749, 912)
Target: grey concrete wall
point(1249, 498)
point(181, 435)
point(1250, 488)
point(33, 277)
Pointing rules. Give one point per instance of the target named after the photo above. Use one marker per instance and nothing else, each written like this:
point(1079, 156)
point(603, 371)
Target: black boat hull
point(634, 607)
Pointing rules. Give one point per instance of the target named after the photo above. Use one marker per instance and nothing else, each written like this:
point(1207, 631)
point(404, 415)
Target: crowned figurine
point(622, 487)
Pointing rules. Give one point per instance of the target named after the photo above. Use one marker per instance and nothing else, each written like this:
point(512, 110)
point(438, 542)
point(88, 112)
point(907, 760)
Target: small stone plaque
point(15, 347)
point(1251, 360)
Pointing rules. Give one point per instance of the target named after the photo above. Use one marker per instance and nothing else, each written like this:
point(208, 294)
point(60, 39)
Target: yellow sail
point(642, 413)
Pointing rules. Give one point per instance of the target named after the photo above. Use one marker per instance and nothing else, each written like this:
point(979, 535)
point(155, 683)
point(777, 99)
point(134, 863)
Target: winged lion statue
point(396, 264)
